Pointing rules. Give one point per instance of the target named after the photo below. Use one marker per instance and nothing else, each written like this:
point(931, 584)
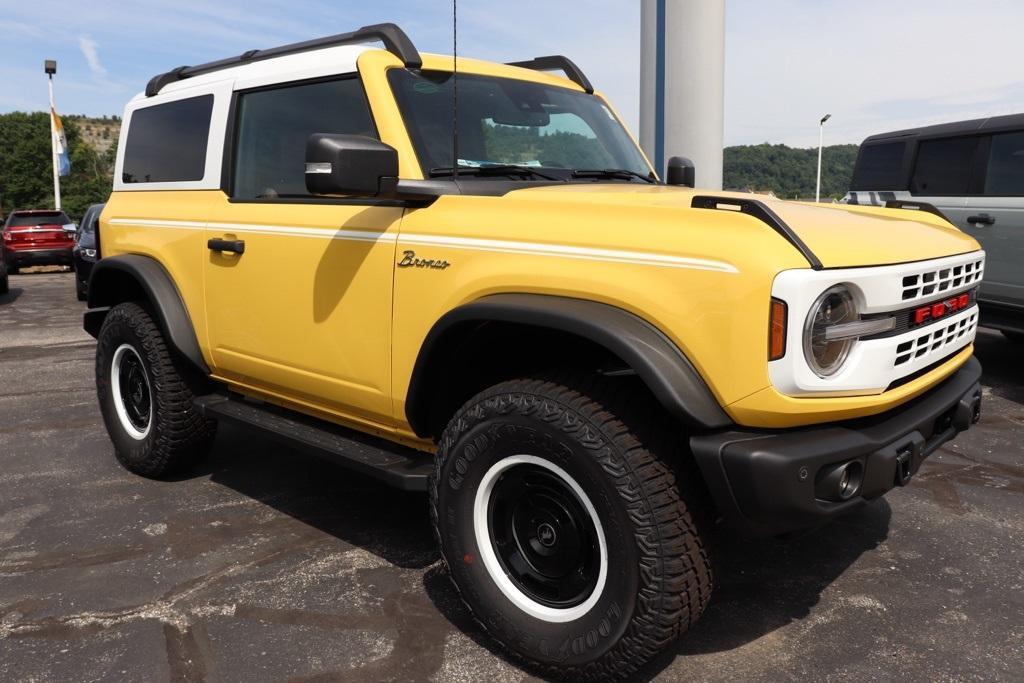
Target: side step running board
point(396, 465)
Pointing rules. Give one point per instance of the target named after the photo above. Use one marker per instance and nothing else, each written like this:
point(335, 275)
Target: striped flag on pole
point(61, 144)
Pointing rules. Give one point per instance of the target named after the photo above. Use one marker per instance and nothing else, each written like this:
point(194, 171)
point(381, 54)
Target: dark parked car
point(37, 237)
point(87, 249)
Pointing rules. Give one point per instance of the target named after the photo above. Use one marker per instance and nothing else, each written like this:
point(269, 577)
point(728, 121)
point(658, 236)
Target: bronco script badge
point(409, 260)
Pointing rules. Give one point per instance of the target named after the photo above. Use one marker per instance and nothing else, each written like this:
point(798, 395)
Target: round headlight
point(834, 306)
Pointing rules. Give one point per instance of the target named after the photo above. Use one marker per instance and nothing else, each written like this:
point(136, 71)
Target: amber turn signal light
point(777, 330)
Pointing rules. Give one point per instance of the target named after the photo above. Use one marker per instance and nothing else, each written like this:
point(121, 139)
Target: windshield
point(21, 220)
point(504, 122)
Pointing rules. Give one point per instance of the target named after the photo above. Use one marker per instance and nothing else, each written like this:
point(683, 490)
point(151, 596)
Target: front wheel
point(145, 395)
point(566, 536)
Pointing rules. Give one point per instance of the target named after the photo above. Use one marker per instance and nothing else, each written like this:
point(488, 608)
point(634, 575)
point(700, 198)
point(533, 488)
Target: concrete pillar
point(682, 83)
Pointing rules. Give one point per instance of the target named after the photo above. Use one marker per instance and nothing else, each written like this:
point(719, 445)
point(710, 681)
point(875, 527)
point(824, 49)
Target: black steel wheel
point(145, 396)
point(542, 534)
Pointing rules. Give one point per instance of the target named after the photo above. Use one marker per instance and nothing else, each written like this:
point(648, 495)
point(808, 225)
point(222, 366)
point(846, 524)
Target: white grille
point(935, 339)
point(928, 283)
point(874, 364)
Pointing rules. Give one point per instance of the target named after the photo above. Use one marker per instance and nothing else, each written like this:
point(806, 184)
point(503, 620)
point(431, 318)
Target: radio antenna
point(455, 91)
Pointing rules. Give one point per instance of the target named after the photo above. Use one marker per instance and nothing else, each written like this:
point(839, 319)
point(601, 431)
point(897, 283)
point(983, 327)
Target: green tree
point(789, 172)
point(26, 179)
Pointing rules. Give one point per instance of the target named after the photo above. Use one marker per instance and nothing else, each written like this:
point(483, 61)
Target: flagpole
point(51, 69)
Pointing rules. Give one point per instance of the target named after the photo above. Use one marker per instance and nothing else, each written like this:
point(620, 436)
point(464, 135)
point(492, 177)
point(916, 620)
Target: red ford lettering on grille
point(937, 310)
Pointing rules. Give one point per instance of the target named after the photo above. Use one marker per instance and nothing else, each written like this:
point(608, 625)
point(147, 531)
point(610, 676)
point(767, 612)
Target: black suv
point(87, 249)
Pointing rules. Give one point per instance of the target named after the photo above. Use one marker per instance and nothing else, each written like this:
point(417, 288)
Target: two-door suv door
point(298, 288)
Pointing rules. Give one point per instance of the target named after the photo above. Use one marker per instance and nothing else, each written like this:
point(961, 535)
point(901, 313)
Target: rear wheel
point(12, 270)
point(565, 532)
point(145, 395)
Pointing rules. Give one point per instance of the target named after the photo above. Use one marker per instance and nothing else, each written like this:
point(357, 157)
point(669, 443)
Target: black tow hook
point(903, 462)
point(967, 412)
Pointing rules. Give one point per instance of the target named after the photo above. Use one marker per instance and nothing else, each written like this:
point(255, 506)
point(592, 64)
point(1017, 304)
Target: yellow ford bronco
point(465, 278)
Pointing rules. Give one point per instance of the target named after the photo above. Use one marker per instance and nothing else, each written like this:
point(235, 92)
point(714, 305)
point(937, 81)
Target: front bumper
point(775, 482)
point(39, 257)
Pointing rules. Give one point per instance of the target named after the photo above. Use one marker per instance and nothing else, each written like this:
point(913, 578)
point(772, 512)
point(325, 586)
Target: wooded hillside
point(787, 171)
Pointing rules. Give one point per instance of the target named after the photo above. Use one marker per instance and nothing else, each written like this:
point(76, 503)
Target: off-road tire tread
point(182, 436)
point(676, 576)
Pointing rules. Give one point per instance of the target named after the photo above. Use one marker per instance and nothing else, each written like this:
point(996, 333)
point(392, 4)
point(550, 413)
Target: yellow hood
point(838, 234)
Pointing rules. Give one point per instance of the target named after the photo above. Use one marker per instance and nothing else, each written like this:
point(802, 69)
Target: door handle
point(981, 219)
point(234, 246)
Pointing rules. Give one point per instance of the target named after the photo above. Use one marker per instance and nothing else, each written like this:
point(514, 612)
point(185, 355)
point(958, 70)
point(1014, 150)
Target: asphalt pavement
point(265, 564)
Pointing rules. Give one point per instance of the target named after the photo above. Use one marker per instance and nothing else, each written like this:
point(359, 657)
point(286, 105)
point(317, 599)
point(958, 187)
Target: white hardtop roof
point(312, 64)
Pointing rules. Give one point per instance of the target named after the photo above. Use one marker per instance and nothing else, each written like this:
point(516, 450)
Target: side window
point(167, 142)
point(1005, 173)
point(880, 167)
point(943, 167)
point(272, 128)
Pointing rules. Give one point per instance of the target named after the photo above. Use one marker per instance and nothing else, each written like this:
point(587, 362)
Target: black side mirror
point(680, 172)
point(350, 165)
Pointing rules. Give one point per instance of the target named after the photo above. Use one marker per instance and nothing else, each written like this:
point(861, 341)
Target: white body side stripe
point(467, 243)
point(569, 251)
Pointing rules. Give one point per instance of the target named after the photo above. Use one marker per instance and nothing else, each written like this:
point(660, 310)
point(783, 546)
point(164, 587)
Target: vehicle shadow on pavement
point(11, 296)
point(392, 524)
point(764, 584)
point(1001, 367)
point(761, 584)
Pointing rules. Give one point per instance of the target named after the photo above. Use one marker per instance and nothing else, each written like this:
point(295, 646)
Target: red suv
point(38, 237)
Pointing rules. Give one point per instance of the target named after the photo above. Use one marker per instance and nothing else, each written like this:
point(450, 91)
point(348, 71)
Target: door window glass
point(1005, 173)
point(943, 167)
point(273, 126)
point(167, 142)
point(880, 167)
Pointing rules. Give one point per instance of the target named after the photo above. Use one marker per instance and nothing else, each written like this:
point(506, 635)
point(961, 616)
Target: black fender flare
point(659, 363)
point(106, 289)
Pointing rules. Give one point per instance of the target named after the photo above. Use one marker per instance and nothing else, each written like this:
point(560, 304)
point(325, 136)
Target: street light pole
point(50, 67)
point(821, 129)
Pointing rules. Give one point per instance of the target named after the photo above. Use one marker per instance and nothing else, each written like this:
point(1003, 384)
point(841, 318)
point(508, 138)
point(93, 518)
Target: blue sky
point(874, 65)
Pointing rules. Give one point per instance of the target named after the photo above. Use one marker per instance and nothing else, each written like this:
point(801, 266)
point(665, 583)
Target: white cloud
point(88, 47)
point(876, 65)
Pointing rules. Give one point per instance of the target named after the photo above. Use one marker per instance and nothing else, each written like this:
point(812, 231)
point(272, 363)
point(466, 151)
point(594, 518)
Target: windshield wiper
point(623, 173)
point(491, 170)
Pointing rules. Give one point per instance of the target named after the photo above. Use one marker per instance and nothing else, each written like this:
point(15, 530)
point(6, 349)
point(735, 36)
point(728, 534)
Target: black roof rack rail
point(761, 212)
point(558, 63)
point(918, 206)
point(393, 37)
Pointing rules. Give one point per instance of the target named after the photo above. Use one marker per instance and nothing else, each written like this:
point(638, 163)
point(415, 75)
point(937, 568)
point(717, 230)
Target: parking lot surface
point(270, 565)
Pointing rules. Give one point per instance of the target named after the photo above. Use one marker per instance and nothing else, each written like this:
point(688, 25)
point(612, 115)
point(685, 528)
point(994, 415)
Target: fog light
point(849, 481)
point(839, 482)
